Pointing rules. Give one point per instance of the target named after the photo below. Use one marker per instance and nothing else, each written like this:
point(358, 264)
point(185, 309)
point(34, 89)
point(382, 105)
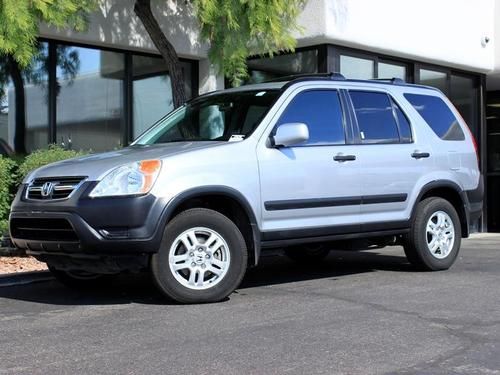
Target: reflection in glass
point(264, 69)
point(321, 111)
point(219, 117)
point(34, 93)
point(493, 129)
point(386, 70)
point(89, 101)
point(464, 96)
point(357, 68)
point(434, 78)
point(153, 91)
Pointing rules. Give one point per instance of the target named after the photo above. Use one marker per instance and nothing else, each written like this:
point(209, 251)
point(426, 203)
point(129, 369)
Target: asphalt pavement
point(356, 313)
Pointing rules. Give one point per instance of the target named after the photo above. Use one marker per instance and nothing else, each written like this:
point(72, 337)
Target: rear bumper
point(474, 201)
point(81, 229)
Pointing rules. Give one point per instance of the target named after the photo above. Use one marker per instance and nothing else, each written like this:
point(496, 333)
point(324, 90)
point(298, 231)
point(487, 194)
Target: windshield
point(219, 117)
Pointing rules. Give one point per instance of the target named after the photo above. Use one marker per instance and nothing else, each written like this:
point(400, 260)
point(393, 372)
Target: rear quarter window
point(437, 115)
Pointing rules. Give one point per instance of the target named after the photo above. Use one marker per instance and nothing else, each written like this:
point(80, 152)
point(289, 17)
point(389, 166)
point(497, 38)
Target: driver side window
point(321, 111)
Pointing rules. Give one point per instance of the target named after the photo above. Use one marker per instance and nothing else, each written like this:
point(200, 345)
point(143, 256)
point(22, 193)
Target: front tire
point(202, 257)
point(435, 235)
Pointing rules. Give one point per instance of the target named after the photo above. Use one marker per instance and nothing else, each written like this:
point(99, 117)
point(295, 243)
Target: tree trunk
point(20, 106)
point(142, 9)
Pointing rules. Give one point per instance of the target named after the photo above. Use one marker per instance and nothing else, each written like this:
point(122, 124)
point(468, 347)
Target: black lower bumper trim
point(102, 264)
point(88, 240)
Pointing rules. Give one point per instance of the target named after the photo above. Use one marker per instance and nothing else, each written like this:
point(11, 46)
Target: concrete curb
point(24, 278)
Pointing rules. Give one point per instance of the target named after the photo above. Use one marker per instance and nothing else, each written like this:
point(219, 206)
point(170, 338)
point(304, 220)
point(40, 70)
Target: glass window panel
point(321, 111)
point(357, 68)
point(90, 98)
point(375, 117)
point(34, 86)
point(152, 88)
point(434, 78)
point(464, 96)
point(386, 70)
point(437, 115)
point(213, 117)
point(264, 69)
point(493, 131)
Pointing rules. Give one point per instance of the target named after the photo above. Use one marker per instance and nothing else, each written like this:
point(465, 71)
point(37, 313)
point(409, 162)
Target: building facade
point(100, 89)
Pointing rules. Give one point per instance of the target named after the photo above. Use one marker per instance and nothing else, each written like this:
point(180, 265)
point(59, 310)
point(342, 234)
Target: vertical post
point(52, 93)
point(482, 134)
point(128, 101)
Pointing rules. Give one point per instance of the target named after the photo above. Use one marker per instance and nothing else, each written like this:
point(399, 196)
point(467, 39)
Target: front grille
point(53, 187)
point(42, 229)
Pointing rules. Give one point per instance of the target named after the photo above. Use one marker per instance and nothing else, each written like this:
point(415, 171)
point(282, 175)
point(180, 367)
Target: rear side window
point(321, 111)
point(437, 115)
point(374, 113)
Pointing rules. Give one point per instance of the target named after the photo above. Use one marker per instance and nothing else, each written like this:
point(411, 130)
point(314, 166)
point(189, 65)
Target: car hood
point(95, 166)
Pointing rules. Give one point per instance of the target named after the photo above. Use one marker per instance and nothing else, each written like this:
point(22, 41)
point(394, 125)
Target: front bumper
point(83, 228)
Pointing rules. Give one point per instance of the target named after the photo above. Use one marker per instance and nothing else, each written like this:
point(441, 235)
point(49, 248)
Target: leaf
point(237, 29)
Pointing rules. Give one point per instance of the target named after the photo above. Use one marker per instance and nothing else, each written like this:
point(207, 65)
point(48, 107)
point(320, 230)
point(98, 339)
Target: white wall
point(115, 25)
point(446, 32)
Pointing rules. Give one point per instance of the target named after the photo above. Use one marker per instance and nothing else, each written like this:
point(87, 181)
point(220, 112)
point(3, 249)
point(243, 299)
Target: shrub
point(7, 167)
point(13, 172)
point(39, 158)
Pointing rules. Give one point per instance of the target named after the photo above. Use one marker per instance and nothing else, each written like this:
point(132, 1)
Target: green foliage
point(40, 158)
point(6, 180)
point(20, 19)
point(12, 173)
point(237, 29)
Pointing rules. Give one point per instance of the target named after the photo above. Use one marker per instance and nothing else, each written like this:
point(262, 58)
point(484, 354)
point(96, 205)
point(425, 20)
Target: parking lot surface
point(356, 313)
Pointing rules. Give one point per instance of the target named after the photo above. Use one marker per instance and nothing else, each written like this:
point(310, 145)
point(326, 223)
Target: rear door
point(391, 159)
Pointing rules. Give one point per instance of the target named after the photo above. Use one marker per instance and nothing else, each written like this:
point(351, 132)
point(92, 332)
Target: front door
point(311, 189)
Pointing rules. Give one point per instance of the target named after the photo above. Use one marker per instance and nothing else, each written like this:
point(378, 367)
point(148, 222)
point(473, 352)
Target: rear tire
point(79, 280)
point(202, 257)
point(310, 254)
point(435, 235)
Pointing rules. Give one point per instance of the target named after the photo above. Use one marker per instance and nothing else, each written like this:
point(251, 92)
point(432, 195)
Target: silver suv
point(299, 164)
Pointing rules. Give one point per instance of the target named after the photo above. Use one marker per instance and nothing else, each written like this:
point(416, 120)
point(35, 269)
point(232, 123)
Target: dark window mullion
point(128, 101)
point(52, 93)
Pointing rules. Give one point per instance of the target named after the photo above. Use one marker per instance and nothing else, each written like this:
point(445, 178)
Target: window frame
point(346, 122)
point(355, 123)
point(127, 117)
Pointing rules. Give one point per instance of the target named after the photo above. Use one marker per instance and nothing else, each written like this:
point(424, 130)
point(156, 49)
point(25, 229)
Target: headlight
point(129, 179)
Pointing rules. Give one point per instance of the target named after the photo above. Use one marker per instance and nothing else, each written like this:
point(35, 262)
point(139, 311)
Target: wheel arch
point(451, 192)
point(227, 201)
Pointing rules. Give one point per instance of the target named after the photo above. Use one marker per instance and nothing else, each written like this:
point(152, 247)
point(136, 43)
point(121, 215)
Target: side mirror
point(290, 134)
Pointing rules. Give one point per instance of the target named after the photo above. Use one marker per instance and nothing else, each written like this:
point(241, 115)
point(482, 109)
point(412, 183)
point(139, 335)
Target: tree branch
point(142, 9)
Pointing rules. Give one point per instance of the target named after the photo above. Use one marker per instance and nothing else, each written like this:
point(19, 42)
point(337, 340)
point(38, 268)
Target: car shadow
point(278, 269)
point(273, 269)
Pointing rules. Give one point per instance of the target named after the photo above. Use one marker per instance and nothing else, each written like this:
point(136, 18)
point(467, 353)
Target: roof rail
point(393, 80)
point(339, 77)
point(307, 76)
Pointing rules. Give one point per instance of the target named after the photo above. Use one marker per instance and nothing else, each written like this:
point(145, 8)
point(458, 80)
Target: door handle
point(342, 158)
point(420, 155)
